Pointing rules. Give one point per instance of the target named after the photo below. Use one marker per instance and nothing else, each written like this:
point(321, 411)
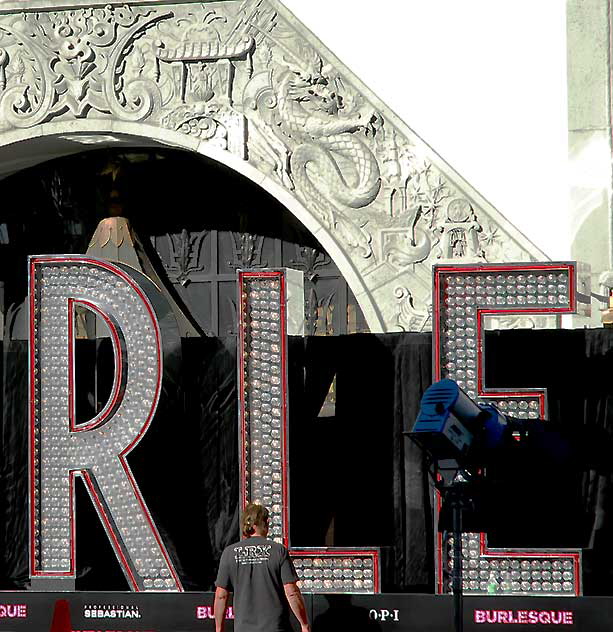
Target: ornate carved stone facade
point(244, 79)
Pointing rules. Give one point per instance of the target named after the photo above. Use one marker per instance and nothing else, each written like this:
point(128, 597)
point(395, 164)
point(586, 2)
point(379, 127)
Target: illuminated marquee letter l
point(271, 307)
point(61, 449)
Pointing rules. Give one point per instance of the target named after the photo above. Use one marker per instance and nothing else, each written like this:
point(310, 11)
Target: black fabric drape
point(355, 477)
point(575, 504)
point(413, 542)
point(14, 482)
point(356, 480)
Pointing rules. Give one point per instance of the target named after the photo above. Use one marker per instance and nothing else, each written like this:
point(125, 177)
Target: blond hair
point(253, 516)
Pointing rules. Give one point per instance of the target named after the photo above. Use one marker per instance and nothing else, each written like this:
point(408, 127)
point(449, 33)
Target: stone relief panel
point(245, 77)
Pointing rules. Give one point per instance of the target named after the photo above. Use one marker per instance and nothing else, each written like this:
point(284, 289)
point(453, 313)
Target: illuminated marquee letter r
point(96, 450)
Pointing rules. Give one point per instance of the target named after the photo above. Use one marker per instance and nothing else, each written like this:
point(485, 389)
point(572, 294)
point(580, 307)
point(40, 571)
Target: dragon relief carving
point(326, 130)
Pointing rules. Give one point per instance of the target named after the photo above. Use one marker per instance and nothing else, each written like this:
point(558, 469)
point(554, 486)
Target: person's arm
point(296, 603)
point(219, 608)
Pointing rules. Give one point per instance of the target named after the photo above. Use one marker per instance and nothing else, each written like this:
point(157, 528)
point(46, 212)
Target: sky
point(483, 82)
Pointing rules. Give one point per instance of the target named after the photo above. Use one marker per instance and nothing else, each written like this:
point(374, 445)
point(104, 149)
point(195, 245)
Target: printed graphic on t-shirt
point(252, 554)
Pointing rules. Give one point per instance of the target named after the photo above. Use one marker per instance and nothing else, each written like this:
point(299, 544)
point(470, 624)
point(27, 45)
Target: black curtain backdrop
point(356, 480)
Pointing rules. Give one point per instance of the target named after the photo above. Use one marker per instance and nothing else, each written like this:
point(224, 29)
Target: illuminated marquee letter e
point(96, 450)
point(464, 295)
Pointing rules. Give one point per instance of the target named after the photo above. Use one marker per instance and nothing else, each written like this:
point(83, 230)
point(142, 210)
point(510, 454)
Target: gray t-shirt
point(255, 570)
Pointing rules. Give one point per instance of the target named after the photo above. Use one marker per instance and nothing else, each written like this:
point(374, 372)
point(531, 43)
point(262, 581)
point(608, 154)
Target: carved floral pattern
point(73, 62)
point(246, 251)
point(219, 125)
point(319, 308)
point(184, 249)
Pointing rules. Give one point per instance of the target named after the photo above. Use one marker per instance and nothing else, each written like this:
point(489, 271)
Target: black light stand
point(455, 496)
point(454, 433)
point(450, 480)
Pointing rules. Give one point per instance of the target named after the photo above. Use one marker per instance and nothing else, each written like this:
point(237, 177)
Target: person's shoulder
point(230, 548)
point(277, 546)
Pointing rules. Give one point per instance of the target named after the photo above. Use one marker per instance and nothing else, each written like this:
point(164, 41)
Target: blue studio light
point(450, 425)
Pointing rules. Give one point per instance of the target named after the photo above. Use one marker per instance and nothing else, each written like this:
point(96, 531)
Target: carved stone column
point(590, 150)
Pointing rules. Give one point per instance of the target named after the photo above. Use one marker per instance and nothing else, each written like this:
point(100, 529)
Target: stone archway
point(246, 84)
point(96, 135)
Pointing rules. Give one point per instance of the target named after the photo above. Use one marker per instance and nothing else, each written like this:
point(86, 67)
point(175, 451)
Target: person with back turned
point(262, 577)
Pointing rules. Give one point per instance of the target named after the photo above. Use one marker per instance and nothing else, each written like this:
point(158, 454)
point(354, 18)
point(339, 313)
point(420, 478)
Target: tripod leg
point(458, 597)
